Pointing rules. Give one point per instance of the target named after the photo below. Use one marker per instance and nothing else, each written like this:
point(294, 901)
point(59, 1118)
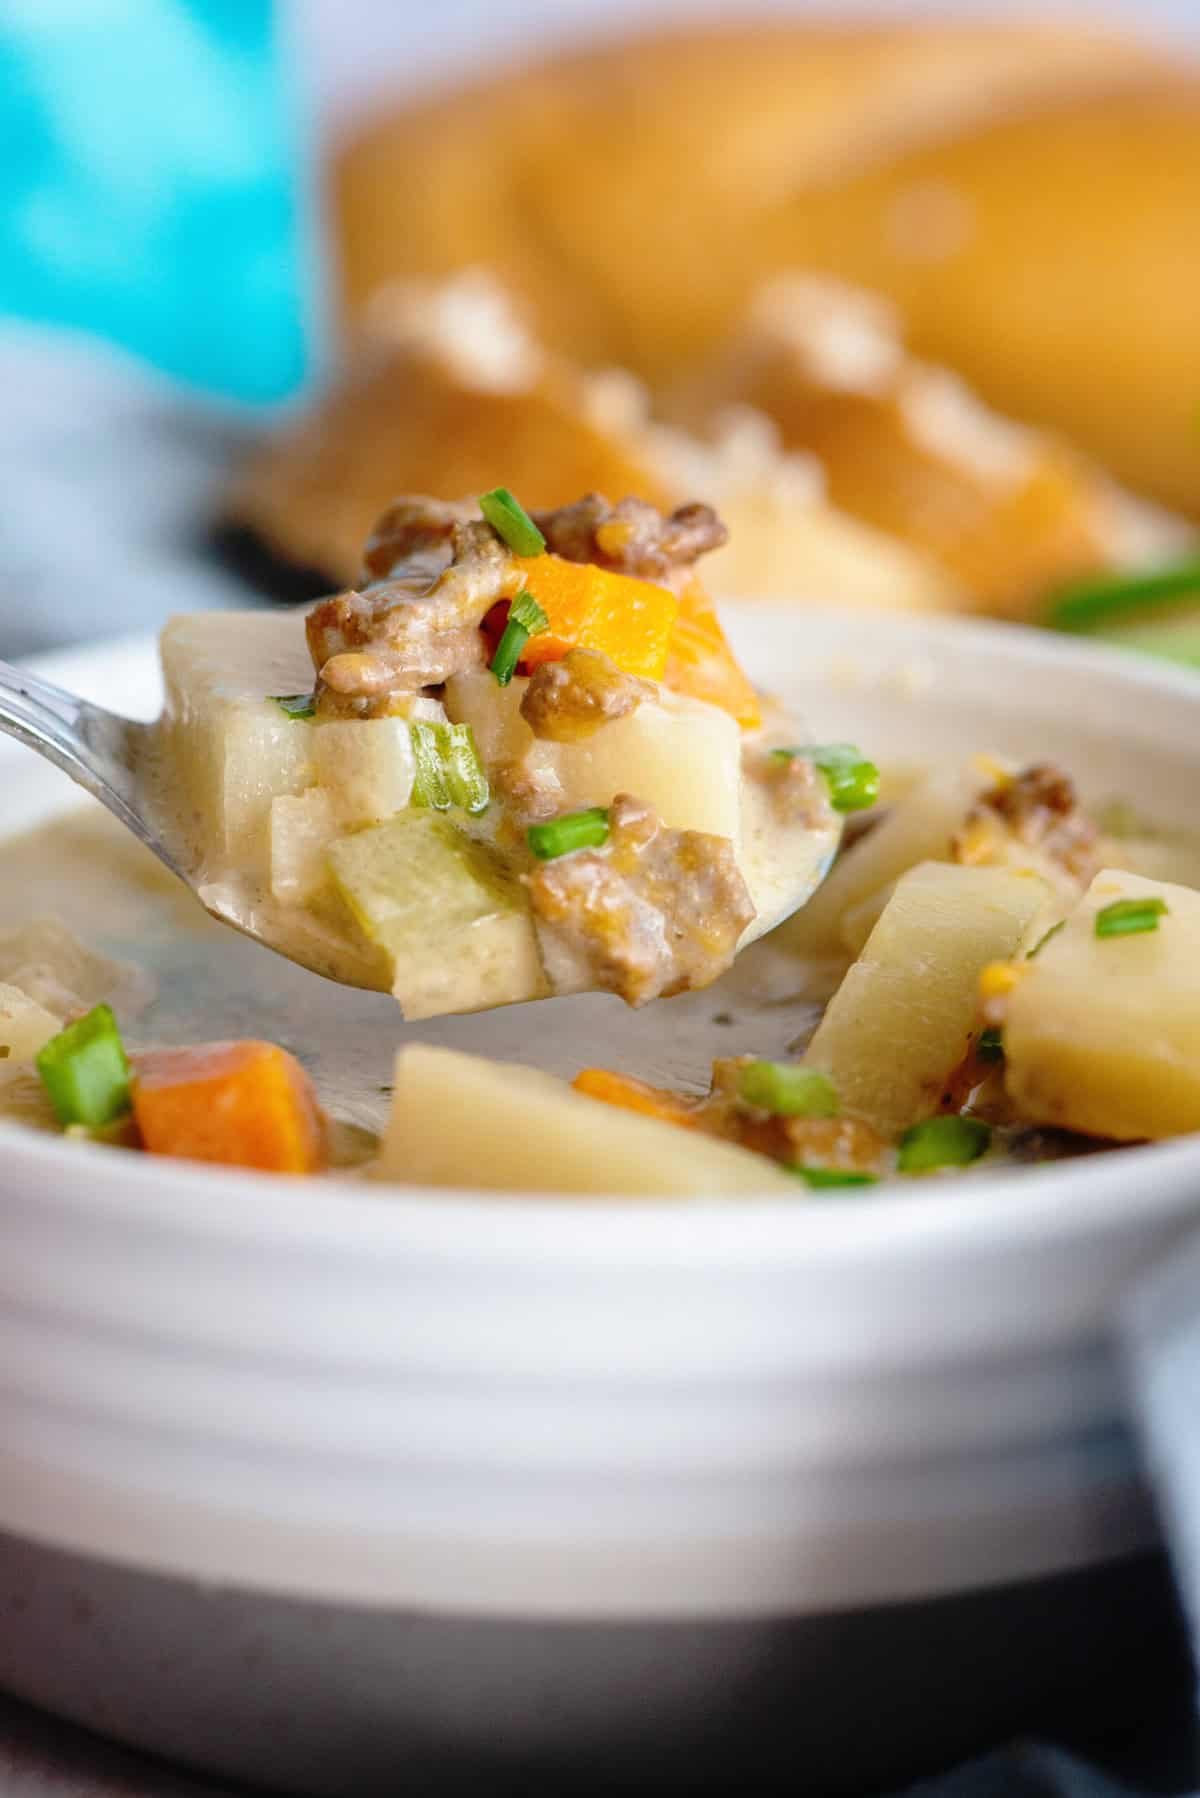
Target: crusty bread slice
point(1025, 190)
point(1052, 258)
point(450, 395)
point(1007, 512)
point(620, 189)
point(446, 393)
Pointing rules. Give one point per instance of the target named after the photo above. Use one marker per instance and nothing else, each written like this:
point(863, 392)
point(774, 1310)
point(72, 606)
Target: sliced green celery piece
point(454, 920)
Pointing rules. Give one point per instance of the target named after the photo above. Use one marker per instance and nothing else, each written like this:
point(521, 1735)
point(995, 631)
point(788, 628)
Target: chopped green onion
point(788, 1092)
point(575, 830)
point(447, 768)
point(296, 705)
point(942, 1142)
point(1130, 917)
point(853, 781)
point(526, 612)
point(1091, 604)
point(990, 1044)
point(1043, 940)
point(85, 1071)
point(525, 619)
point(509, 519)
point(832, 1176)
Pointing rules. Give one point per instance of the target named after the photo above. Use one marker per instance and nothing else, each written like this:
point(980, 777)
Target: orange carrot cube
point(701, 664)
point(594, 608)
point(636, 1095)
point(246, 1104)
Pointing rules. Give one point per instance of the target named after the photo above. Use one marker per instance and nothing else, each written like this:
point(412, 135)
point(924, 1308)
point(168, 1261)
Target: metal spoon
point(100, 750)
point(103, 752)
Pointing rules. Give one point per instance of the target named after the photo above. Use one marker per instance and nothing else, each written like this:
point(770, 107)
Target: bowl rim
point(1008, 1202)
point(484, 1227)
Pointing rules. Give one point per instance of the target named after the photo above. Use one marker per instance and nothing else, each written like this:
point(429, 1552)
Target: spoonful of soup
point(519, 760)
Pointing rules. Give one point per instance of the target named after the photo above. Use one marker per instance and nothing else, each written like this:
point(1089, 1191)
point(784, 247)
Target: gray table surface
point(42, 1757)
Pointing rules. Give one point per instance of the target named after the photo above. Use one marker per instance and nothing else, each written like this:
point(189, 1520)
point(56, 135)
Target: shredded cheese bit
point(998, 979)
point(994, 770)
point(974, 843)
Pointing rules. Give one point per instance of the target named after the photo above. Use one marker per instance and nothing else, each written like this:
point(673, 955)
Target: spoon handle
point(97, 748)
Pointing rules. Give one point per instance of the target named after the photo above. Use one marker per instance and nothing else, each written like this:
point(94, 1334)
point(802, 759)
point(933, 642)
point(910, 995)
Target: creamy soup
point(522, 764)
point(184, 978)
point(111, 924)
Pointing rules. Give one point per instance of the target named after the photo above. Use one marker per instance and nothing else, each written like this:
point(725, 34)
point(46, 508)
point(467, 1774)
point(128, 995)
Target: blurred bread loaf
point(1024, 192)
point(1005, 511)
point(448, 393)
point(443, 392)
point(1053, 258)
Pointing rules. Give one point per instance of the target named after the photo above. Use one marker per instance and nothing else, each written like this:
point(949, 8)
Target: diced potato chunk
point(840, 917)
point(457, 926)
point(302, 828)
point(903, 1017)
point(1103, 1033)
point(24, 1099)
point(459, 1120)
point(49, 965)
point(367, 766)
point(24, 1025)
point(234, 655)
point(494, 714)
point(680, 755)
point(231, 750)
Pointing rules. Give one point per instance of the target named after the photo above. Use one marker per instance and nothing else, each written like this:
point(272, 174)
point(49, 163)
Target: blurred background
point(910, 297)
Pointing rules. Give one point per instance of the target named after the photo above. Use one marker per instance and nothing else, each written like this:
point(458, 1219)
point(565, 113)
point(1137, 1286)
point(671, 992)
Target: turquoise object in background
point(155, 186)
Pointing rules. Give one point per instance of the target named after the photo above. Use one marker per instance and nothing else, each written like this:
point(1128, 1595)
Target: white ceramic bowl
point(662, 1423)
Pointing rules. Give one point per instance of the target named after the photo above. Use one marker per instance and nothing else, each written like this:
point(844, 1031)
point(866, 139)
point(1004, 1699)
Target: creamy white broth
point(209, 983)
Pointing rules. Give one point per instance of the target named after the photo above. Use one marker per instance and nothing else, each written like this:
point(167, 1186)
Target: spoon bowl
point(104, 753)
point(107, 754)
